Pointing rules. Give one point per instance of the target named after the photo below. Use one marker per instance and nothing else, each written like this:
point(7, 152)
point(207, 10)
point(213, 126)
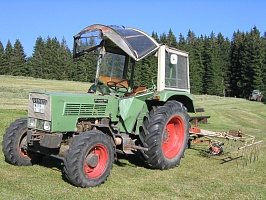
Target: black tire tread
point(74, 161)
point(10, 143)
point(152, 128)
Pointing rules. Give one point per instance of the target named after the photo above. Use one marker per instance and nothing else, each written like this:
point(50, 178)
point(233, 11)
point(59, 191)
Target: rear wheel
point(89, 159)
point(165, 133)
point(14, 145)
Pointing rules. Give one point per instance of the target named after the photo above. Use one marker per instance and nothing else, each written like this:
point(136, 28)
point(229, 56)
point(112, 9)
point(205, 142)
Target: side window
point(171, 61)
point(87, 41)
point(176, 71)
point(182, 68)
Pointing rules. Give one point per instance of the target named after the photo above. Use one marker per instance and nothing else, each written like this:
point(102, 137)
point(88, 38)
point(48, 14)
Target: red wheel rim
point(101, 153)
point(173, 137)
point(215, 150)
point(21, 146)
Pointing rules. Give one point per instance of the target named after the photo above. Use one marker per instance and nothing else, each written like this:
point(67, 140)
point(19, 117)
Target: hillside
point(14, 90)
point(199, 176)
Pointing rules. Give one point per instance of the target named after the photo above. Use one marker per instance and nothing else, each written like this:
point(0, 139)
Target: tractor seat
point(136, 90)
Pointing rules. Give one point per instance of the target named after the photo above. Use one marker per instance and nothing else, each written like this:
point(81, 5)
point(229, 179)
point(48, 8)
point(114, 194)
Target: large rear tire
point(165, 133)
point(14, 145)
point(89, 159)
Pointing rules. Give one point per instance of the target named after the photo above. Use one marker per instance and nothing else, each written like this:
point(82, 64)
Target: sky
point(27, 20)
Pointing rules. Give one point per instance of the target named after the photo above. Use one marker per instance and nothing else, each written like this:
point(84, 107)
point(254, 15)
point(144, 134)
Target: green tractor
point(87, 130)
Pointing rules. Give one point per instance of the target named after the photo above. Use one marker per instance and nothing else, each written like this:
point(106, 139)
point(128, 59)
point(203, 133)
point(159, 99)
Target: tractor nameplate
point(100, 100)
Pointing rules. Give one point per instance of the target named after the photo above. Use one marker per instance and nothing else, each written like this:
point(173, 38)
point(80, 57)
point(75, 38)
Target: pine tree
point(51, 68)
point(246, 69)
point(196, 68)
point(171, 39)
point(182, 43)
point(163, 38)
point(236, 68)
point(263, 41)
point(246, 60)
point(255, 61)
point(3, 60)
point(66, 61)
point(212, 76)
point(8, 55)
point(155, 36)
point(224, 61)
point(18, 61)
point(36, 61)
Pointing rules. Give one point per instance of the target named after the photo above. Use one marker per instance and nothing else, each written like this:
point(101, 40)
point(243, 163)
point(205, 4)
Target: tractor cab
point(118, 48)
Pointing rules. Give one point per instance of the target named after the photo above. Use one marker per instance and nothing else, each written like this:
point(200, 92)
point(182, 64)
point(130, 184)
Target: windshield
point(112, 65)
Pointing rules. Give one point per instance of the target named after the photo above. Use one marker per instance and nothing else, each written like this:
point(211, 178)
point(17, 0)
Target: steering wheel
point(114, 85)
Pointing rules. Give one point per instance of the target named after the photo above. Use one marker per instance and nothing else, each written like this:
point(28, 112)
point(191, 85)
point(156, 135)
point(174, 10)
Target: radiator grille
point(84, 109)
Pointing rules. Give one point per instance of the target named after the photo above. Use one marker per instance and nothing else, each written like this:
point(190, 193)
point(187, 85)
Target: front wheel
point(14, 145)
point(89, 159)
point(165, 133)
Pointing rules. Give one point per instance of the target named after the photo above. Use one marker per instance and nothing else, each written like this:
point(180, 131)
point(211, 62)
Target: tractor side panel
point(66, 110)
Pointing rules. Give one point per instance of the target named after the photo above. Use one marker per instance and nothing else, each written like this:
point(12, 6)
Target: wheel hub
point(165, 136)
point(92, 160)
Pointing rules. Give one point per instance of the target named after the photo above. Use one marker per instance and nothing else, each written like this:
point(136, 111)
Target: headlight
point(47, 125)
point(32, 123)
point(39, 124)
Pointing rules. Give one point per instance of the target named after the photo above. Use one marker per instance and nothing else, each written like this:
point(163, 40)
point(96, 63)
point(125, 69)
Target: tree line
point(218, 65)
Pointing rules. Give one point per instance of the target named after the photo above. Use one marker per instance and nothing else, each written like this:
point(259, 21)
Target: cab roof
point(135, 43)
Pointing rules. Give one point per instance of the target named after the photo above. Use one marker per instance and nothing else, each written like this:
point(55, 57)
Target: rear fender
point(185, 100)
point(183, 97)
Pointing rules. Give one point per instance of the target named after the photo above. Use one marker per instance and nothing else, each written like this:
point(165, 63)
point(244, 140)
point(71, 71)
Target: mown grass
point(14, 91)
point(199, 176)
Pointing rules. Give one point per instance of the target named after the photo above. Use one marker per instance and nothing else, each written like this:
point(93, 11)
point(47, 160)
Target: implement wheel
point(216, 149)
point(165, 133)
point(89, 159)
point(14, 145)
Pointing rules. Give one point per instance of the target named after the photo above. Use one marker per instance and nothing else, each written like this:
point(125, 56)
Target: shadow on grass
point(225, 157)
point(201, 152)
point(230, 158)
point(124, 160)
point(54, 164)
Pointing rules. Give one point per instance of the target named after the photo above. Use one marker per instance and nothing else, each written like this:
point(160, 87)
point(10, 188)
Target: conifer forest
point(221, 66)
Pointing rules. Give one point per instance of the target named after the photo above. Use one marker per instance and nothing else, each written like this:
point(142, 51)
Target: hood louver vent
point(84, 109)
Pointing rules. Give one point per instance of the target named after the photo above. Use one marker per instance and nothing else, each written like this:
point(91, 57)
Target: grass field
point(199, 176)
